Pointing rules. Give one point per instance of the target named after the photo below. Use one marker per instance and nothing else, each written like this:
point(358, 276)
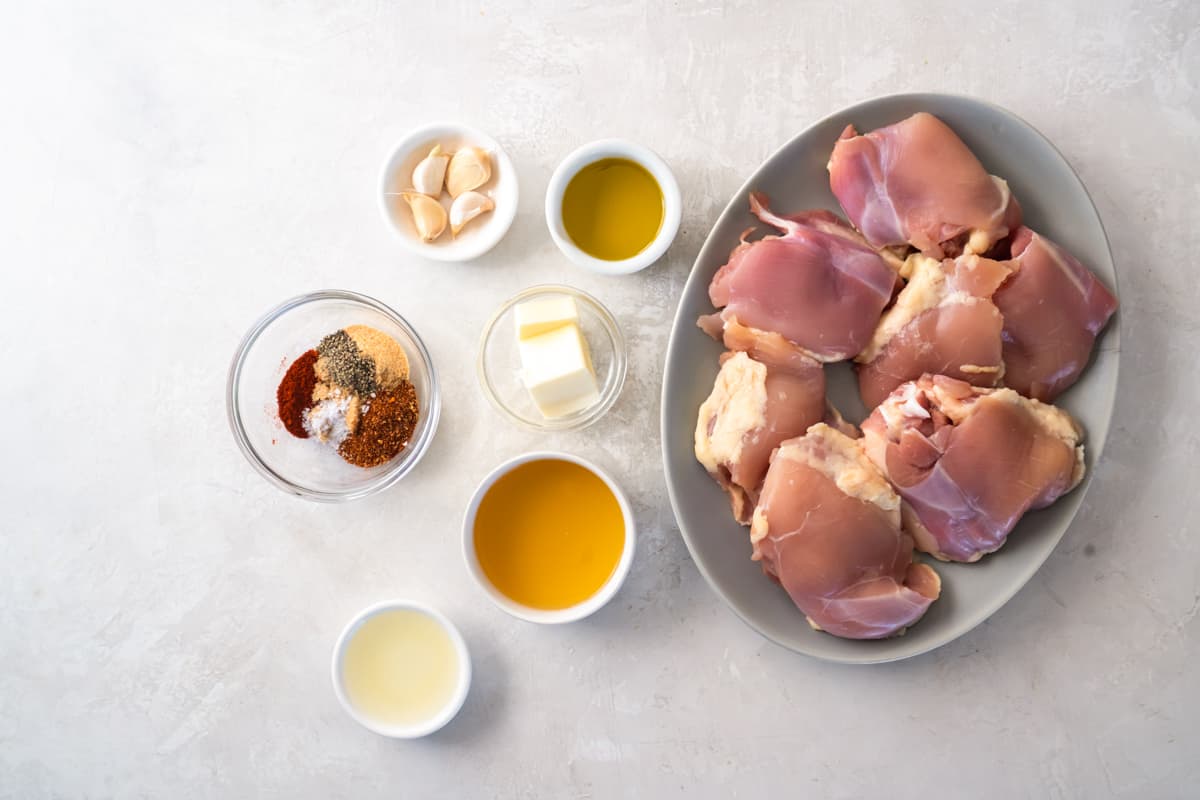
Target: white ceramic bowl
point(435, 722)
point(614, 148)
point(575, 612)
point(483, 232)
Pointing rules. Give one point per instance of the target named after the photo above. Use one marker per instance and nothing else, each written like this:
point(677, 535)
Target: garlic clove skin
point(470, 168)
point(430, 173)
point(466, 207)
point(428, 215)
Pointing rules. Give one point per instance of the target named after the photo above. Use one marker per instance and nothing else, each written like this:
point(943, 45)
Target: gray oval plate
point(1055, 203)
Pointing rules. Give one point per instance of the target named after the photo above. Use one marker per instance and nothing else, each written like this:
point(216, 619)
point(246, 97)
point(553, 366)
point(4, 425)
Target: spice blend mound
point(352, 394)
point(385, 429)
point(389, 358)
point(341, 362)
point(295, 393)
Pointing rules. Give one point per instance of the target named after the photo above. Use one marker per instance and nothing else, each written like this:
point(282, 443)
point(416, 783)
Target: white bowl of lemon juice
point(613, 207)
point(549, 537)
point(401, 669)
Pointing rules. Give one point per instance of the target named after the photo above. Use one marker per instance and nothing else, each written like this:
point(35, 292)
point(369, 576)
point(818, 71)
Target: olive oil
point(613, 209)
point(549, 534)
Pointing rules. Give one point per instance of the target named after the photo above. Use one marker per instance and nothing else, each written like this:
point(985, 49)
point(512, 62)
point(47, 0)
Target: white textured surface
point(166, 616)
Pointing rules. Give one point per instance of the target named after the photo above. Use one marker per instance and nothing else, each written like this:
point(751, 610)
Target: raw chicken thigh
point(943, 322)
point(916, 183)
point(817, 289)
point(1053, 308)
point(969, 461)
point(827, 527)
point(752, 409)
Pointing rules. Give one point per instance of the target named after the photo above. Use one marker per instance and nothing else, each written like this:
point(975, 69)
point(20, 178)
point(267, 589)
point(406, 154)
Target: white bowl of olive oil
point(613, 207)
point(401, 669)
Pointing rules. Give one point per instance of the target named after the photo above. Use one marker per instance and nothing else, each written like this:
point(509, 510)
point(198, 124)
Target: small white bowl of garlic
point(449, 191)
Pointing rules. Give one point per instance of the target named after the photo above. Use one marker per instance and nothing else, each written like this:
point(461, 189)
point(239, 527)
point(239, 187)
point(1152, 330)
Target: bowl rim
point(461, 689)
point(543, 616)
point(589, 153)
point(504, 164)
point(385, 479)
point(1112, 332)
point(580, 419)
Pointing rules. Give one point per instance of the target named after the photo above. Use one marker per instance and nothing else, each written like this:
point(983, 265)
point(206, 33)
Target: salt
point(327, 419)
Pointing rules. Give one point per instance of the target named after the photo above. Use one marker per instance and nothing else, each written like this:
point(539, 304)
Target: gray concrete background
point(171, 171)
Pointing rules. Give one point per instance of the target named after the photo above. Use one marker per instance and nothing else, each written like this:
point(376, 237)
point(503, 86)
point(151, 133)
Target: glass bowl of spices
point(332, 396)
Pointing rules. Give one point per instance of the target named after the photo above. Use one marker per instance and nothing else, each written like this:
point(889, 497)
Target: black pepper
point(343, 363)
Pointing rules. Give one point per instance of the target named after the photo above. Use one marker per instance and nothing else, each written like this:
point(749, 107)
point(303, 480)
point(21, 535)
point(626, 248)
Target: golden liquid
point(400, 667)
point(549, 534)
point(612, 209)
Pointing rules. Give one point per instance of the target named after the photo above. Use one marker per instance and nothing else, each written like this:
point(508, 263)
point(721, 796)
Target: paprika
point(295, 393)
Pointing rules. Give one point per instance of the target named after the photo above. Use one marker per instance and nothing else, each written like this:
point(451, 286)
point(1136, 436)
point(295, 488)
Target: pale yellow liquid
point(400, 668)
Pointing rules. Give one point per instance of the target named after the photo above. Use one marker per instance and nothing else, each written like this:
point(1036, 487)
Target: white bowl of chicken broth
point(401, 669)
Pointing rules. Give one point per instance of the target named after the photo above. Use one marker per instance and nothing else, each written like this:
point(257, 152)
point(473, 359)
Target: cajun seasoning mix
point(352, 393)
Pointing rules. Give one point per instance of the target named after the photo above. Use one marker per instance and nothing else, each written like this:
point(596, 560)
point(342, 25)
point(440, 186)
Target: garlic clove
point(428, 215)
point(466, 207)
point(429, 175)
point(469, 169)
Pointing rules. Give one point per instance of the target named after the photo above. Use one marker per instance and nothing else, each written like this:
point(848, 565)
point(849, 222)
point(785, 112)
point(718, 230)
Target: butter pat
point(544, 314)
point(557, 371)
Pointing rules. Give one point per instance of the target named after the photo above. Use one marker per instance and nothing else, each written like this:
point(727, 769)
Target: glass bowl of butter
point(552, 358)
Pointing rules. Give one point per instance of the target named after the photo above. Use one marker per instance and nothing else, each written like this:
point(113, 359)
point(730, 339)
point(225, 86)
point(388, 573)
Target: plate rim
point(1112, 335)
